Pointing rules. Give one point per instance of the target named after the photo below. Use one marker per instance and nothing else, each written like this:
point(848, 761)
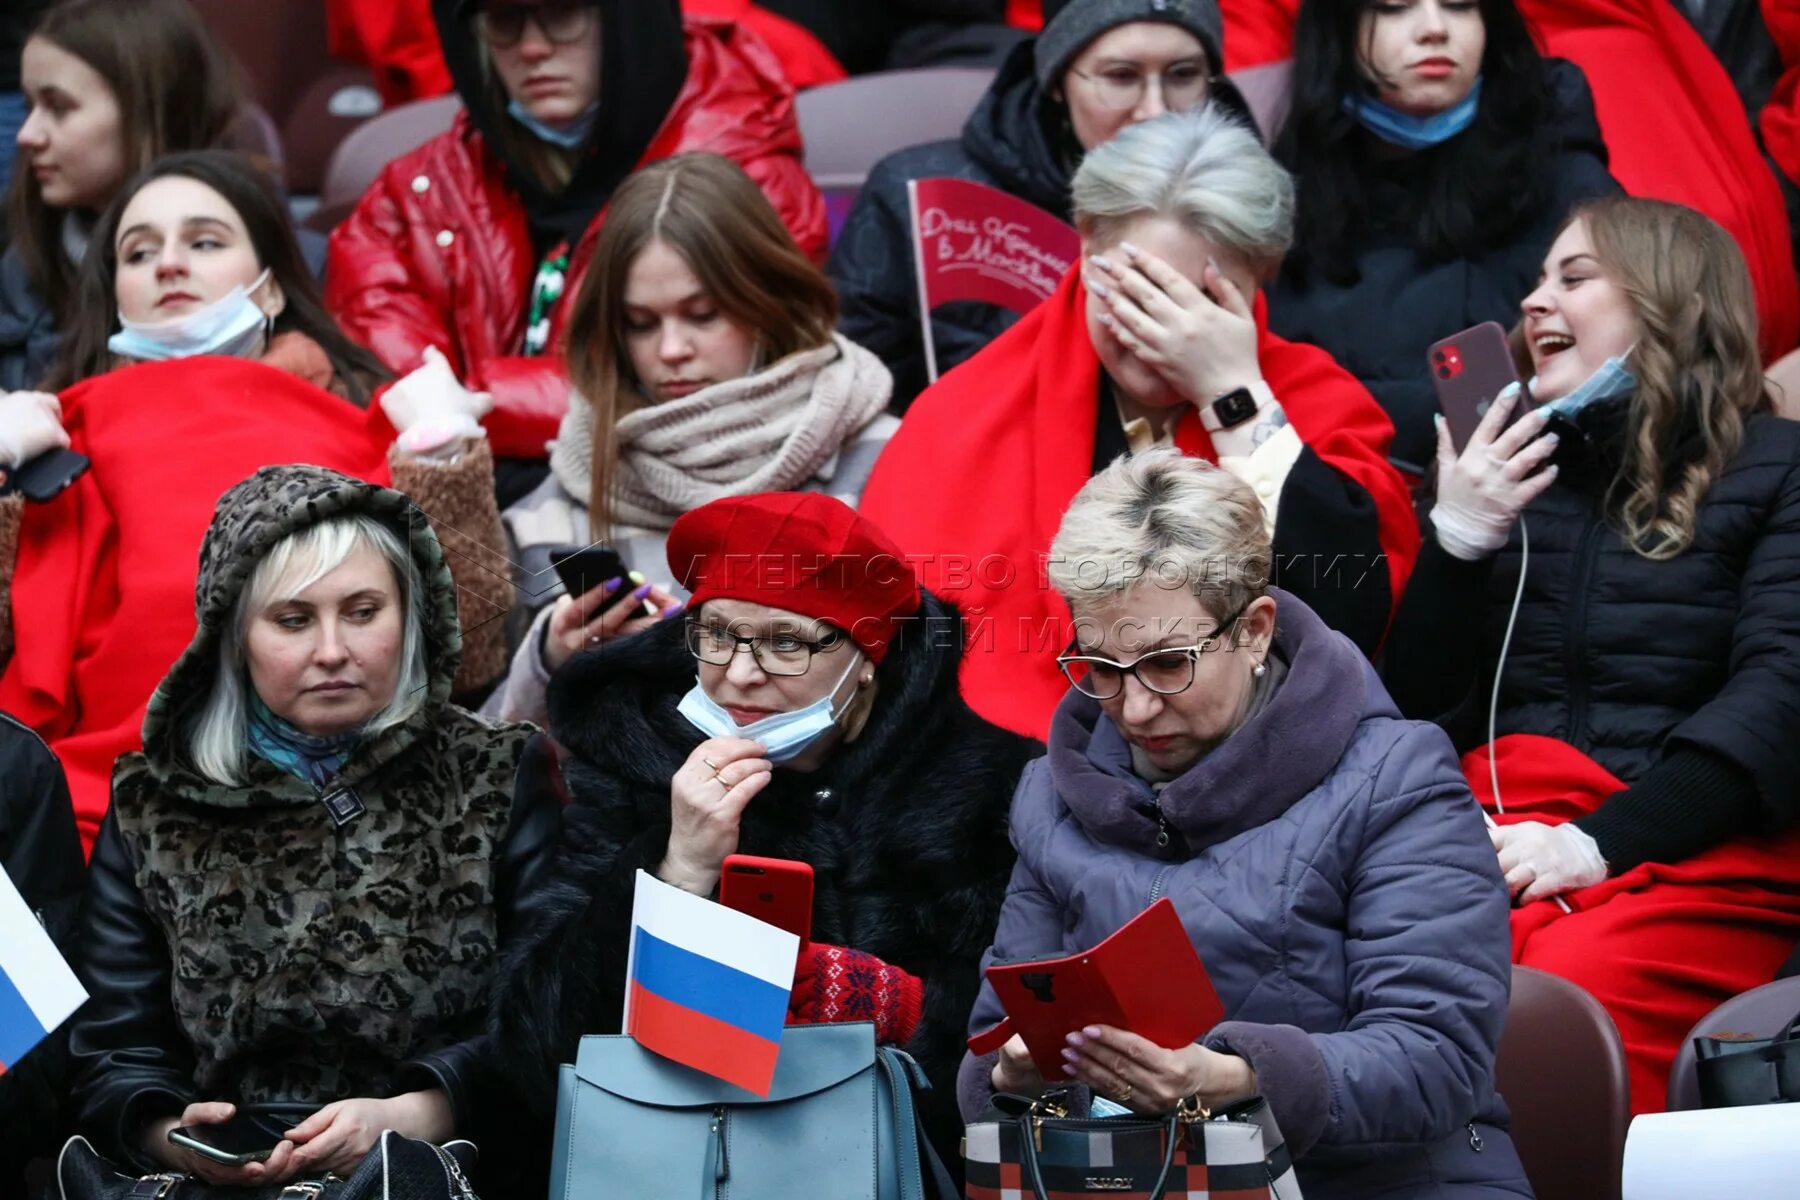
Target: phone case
point(778, 891)
point(1468, 370)
point(582, 568)
point(1146, 978)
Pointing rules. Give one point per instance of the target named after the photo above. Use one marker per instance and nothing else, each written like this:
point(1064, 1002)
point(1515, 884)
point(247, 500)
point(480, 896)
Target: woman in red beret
point(806, 708)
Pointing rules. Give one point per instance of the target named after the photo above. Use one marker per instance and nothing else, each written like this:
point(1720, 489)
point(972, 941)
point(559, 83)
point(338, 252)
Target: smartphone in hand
point(584, 568)
point(778, 891)
point(246, 1138)
point(1469, 370)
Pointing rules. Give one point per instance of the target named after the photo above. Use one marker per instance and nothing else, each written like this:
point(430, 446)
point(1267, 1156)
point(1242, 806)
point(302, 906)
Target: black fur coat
point(905, 828)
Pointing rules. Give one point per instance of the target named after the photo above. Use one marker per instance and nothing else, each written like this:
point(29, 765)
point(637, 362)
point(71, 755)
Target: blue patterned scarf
point(313, 759)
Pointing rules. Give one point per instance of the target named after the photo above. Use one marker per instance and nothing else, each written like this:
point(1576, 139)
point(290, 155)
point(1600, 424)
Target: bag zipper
point(459, 1184)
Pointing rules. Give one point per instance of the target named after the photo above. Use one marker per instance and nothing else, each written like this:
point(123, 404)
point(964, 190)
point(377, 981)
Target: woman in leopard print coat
point(307, 874)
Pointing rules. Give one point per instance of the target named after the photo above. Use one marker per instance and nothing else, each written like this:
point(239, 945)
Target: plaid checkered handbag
point(1042, 1154)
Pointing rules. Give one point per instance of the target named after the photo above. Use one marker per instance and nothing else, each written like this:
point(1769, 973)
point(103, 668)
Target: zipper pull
point(1162, 830)
point(1474, 1139)
point(716, 1154)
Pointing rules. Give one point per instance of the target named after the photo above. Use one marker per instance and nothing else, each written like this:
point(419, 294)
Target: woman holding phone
point(705, 365)
point(807, 707)
point(1222, 747)
point(307, 875)
point(1636, 574)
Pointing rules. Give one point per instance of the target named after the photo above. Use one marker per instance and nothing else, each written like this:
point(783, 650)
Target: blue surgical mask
point(569, 135)
point(1612, 379)
point(233, 325)
point(1414, 133)
point(783, 736)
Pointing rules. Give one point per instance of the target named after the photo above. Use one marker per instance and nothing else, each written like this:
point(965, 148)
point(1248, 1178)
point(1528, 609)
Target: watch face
point(1234, 407)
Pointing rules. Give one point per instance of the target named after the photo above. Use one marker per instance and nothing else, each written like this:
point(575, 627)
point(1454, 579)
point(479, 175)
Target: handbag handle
point(1029, 1160)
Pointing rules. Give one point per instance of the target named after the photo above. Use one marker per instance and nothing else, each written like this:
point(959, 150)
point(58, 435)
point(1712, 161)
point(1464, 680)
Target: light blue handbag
point(838, 1122)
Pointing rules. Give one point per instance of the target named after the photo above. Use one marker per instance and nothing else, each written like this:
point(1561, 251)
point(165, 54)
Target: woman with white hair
point(1158, 341)
point(306, 875)
point(1223, 748)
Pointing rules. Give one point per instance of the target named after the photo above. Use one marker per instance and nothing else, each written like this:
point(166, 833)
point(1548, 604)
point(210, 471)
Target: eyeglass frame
point(1193, 653)
point(530, 13)
point(1162, 85)
point(832, 639)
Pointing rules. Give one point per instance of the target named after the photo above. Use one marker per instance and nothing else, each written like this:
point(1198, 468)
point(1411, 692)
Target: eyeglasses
point(1167, 672)
point(775, 653)
point(1120, 87)
point(504, 24)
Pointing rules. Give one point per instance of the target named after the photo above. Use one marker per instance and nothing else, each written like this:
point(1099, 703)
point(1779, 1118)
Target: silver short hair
point(1167, 519)
point(1205, 170)
point(219, 736)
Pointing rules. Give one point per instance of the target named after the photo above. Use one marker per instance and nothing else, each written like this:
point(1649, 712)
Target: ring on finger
point(1125, 1096)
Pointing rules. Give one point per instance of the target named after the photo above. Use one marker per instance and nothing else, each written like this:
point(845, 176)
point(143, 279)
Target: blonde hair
point(1166, 518)
point(1204, 170)
point(1696, 361)
point(710, 212)
point(217, 739)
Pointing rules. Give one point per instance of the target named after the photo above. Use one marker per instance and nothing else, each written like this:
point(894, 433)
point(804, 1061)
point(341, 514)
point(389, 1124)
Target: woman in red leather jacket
point(471, 242)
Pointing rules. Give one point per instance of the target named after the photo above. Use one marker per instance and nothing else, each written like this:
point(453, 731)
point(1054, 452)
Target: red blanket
point(103, 592)
point(1660, 945)
point(974, 484)
point(1674, 125)
point(1780, 118)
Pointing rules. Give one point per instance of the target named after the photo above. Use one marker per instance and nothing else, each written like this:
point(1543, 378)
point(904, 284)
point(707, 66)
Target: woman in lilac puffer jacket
point(1224, 748)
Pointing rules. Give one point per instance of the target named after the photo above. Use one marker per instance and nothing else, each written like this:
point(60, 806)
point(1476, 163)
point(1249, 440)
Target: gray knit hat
point(1081, 21)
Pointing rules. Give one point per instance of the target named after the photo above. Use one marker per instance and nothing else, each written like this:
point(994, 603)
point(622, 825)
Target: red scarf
point(1780, 119)
point(103, 591)
point(974, 484)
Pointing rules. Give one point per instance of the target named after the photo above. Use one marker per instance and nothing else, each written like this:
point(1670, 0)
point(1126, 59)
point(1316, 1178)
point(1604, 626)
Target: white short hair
point(219, 735)
point(1165, 518)
point(1205, 170)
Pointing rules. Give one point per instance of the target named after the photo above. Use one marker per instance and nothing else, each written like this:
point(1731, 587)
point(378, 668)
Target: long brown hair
point(175, 91)
point(1698, 371)
point(258, 203)
point(709, 211)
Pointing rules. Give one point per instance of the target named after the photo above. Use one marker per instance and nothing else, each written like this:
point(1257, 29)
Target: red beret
point(800, 551)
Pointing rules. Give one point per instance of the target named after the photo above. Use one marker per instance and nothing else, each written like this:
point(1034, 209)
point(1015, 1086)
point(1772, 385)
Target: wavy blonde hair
point(1696, 361)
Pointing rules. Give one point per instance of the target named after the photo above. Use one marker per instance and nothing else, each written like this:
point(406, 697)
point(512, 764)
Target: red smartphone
point(776, 890)
point(1469, 369)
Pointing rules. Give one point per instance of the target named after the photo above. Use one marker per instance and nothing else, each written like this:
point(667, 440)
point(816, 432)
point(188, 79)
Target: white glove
point(1482, 491)
point(30, 424)
point(1541, 860)
point(431, 409)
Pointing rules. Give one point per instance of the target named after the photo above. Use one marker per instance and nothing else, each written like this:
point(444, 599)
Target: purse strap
point(902, 1075)
point(1029, 1160)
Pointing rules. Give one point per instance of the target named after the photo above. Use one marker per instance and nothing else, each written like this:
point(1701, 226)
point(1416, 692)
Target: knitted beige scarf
point(768, 432)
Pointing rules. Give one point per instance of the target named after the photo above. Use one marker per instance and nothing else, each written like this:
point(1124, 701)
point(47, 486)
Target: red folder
point(1146, 978)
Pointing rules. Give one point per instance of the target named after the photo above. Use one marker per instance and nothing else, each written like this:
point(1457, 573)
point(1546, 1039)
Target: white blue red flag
point(707, 986)
point(38, 991)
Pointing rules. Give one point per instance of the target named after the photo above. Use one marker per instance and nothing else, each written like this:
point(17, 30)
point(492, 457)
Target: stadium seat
point(329, 111)
point(1561, 1068)
point(848, 127)
point(360, 157)
point(1762, 1011)
point(278, 45)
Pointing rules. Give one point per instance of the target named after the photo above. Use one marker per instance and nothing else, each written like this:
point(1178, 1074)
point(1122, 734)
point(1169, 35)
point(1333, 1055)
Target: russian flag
point(37, 989)
point(707, 985)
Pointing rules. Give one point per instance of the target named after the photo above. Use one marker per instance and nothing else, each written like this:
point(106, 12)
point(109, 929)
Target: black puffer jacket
point(1017, 140)
point(905, 829)
point(1664, 672)
point(1380, 326)
point(41, 853)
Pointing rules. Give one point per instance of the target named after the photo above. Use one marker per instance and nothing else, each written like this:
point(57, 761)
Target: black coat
point(1380, 326)
point(1633, 662)
point(1018, 140)
point(905, 829)
point(28, 336)
point(40, 851)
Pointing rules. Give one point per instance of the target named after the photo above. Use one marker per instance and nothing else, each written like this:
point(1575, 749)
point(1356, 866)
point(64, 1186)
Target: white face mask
point(233, 325)
point(784, 736)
